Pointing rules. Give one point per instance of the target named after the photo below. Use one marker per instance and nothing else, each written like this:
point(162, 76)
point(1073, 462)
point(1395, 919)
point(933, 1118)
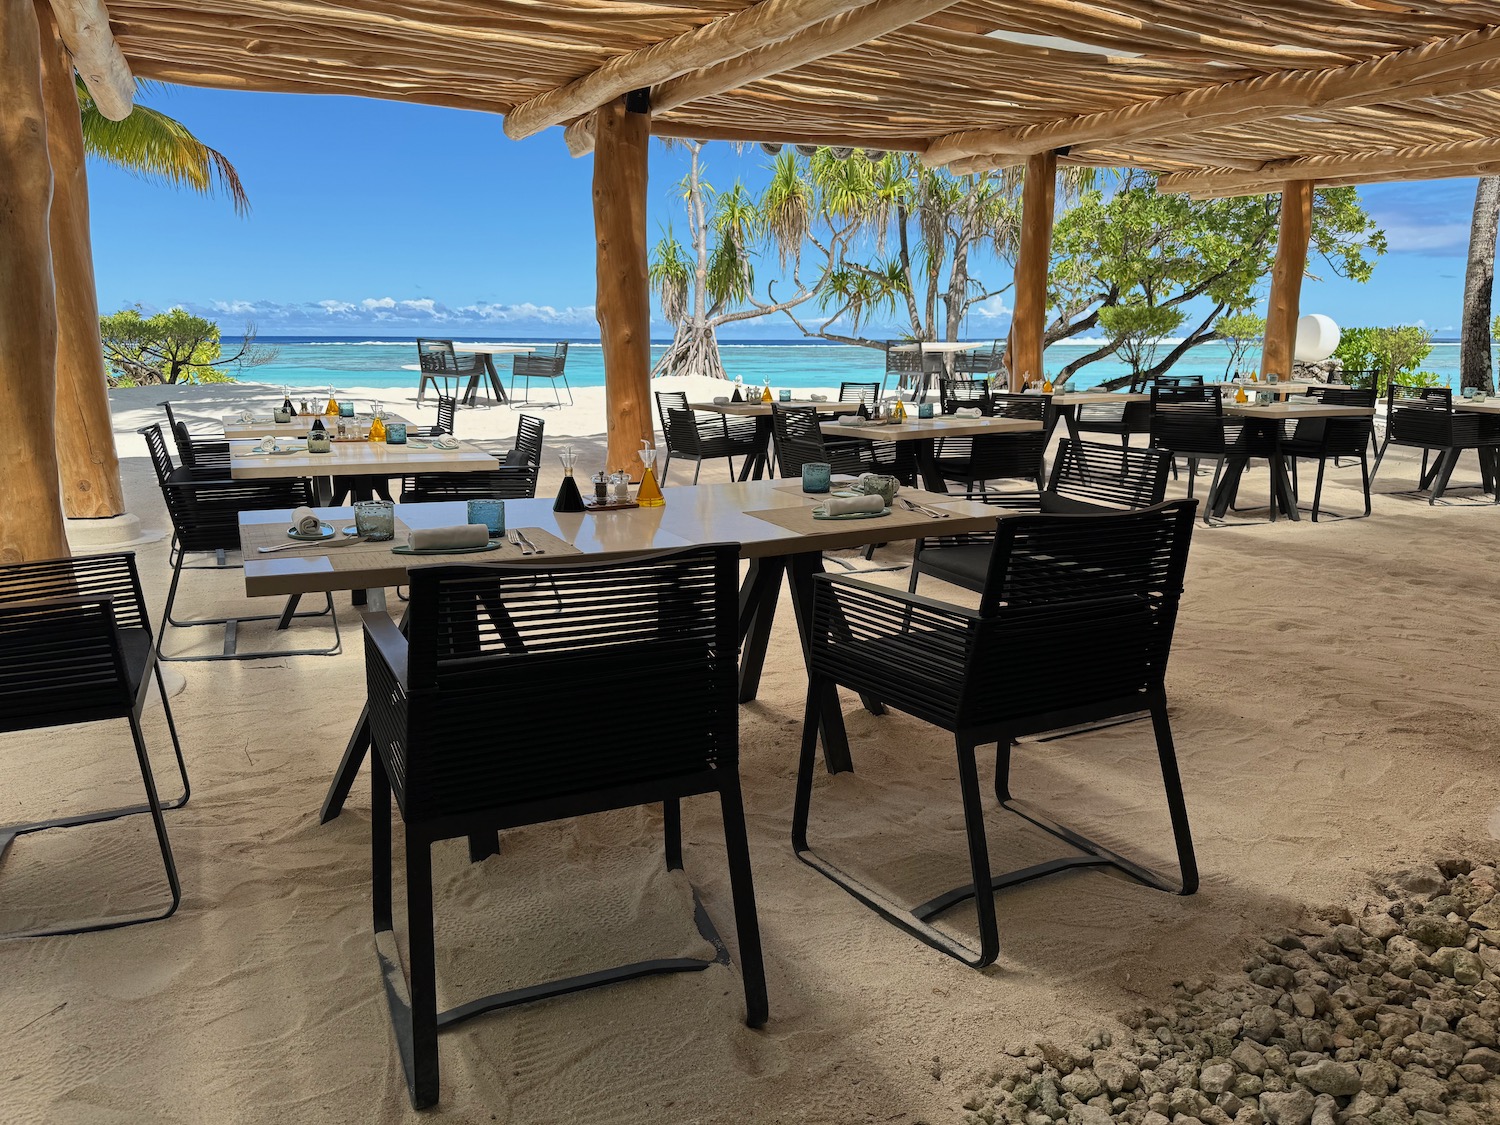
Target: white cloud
point(332, 307)
point(417, 313)
point(1415, 236)
point(378, 303)
point(993, 308)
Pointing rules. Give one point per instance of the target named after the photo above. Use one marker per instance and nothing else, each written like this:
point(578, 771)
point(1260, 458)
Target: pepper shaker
point(601, 488)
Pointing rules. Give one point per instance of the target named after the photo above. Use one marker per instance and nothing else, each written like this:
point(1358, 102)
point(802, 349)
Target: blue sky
point(380, 219)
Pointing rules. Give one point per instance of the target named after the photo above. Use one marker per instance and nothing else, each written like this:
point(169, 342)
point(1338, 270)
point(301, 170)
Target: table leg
point(757, 612)
point(1229, 485)
point(757, 461)
point(1281, 487)
point(927, 466)
point(489, 366)
point(802, 568)
point(357, 747)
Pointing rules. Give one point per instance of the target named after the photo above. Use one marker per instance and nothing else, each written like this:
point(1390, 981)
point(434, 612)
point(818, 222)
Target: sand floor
point(1332, 695)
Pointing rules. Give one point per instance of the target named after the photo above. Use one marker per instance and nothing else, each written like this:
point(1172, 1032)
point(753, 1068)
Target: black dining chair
point(196, 452)
point(1096, 594)
point(905, 367)
point(866, 394)
point(1423, 418)
point(76, 647)
point(445, 368)
point(544, 363)
point(973, 461)
point(1086, 478)
point(483, 641)
point(447, 411)
point(963, 392)
point(1189, 422)
point(204, 506)
point(1325, 439)
point(513, 477)
point(700, 436)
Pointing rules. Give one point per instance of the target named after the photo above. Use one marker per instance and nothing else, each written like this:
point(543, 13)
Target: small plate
point(852, 515)
point(325, 531)
point(275, 452)
point(406, 549)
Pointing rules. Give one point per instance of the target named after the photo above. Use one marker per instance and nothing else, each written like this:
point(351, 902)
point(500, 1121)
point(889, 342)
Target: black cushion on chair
point(136, 644)
point(1056, 505)
point(965, 565)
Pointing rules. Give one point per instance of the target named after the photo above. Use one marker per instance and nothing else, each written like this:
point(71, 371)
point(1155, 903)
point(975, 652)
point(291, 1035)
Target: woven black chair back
point(965, 392)
point(161, 460)
point(437, 356)
point(983, 361)
point(1106, 476)
point(1188, 420)
point(1424, 416)
point(866, 393)
point(669, 400)
point(447, 410)
point(1178, 380)
point(530, 685)
point(542, 363)
point(529, 440)
point(798, 436)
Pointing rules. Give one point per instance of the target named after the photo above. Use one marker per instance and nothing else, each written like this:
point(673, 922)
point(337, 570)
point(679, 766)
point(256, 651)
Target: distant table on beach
point(235, 429)
point(356, 459)
point(1064, 407)
point(925, 433)
point(759, 461)
point(489, 352)
point(770, 520)
point(935, 355)
point(1268, 420)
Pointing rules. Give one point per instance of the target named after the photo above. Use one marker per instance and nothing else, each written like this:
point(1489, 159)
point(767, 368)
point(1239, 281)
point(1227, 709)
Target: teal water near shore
point(303, 361)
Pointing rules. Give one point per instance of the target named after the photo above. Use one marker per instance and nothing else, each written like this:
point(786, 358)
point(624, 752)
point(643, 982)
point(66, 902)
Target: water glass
point(1468, 392)
point(786, 395)
point(395, 433)
point(1273, 378)
point(346, 409)
point(375, 520)
point(817, 477)
point(491, 513)
point(317, 442)
point(924, 410)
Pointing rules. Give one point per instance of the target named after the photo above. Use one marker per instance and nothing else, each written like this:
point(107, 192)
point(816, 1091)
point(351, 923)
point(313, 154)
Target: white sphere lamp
point(1317, 338)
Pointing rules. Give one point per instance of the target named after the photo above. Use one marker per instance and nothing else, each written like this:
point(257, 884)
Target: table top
point(919, 429)
point(297, 427)
point(1284, 410)
point(940, 347)
point(761, 409)
point(357, 458)
point(1097, 398)
point(1469, 406)
point(693, 515)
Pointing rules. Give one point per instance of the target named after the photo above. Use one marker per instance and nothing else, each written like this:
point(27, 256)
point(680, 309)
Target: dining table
point(1268, 423)
point(354, 458)
point(774, 523)
point(936, 356)
point(488, 352)
point(758, 463)
point(263, 425)
point(925, 433)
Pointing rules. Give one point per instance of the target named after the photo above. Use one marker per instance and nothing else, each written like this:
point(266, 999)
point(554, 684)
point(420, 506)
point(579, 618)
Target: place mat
point(801, 521)
point(357, 555)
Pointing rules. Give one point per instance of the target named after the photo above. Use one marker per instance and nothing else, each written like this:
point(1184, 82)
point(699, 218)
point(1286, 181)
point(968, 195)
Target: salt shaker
point(622, 487)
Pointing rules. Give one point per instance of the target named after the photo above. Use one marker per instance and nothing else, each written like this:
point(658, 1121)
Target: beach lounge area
point(946, 745)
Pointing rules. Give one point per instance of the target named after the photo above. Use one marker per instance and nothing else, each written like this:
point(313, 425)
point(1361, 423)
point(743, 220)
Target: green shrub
point(1380, 354)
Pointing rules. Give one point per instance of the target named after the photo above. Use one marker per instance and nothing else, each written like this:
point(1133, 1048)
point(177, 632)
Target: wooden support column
point(621, 139)
point(1028, 323)
point(90, 468)
point(1286, 278)
point(31, 520)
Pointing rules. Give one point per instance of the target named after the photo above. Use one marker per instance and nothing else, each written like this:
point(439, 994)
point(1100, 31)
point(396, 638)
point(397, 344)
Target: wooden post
point(621, 140)
point(31, 519)
point(90, 468)
point(1286, 278)
point(1029, 321)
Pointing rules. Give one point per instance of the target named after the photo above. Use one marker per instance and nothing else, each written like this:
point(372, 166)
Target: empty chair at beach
point(196, 452)
point(446, 411)
point(1423, 418)
point(443, 368)
point(544, 363)
point(798, 434)
point(76, 647)
point(1096, 595)
point(973, 461)
point(1325, 439)
point(980, 361)
point(903, 371)
point(1189, 422)
point(204, 506)
point(700, 436)
point(488, 643)
point(1123, 421)
point(962, 392)
point(866, 394)
point(512, 478)
point(1086, 478)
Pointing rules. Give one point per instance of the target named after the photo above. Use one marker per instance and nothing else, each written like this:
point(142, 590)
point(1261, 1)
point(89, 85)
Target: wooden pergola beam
point(1451, 66)
point(1284, 304)
point(580, 136)
point(84, 27)
point(770, 21)
point(1451, 158)
point(819, 40)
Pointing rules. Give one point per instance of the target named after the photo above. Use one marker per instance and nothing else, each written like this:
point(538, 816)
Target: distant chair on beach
point(441, 365)
point(906, 366)
point(544, 363)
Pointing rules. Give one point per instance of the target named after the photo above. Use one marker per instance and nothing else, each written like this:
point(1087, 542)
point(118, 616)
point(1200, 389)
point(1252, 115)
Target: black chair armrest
point(385, 637)
point(957, 615)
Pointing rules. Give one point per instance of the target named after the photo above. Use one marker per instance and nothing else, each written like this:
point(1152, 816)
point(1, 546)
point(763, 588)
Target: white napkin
point(817, 398)
point(968, 412)
point(843, 505)
point(444, 443)
point(439, 538)
point(851, 420)
point(305, 521)
point(721, 400)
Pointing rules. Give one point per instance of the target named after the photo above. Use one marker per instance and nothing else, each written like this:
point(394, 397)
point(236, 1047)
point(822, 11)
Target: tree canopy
point(172, 346)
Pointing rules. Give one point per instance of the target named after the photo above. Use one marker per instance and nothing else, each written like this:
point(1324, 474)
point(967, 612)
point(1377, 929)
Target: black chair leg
point(423, 1079)
point(1364, 477)
point(1318, 489)
point(671, 822)
point(1192, 474)
point(979, 853)
point(1444, 470)
point(746, 919)
point(166, 706)
point(1171, 778)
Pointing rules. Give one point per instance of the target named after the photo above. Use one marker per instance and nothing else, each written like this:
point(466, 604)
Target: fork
point(514, 538)
point(912, 506)
point(535, 550)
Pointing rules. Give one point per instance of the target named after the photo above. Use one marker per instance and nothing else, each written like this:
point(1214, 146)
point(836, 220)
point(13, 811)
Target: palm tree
point(1476, 366)
point(150, 144)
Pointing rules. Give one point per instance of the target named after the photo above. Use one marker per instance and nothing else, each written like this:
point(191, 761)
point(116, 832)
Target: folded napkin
point(843, 505)
point(441, 538)
point(968, 412)
point(721, 400)
point(444, 443)
point(306, 522)
point(817, 398)
point(851, 420)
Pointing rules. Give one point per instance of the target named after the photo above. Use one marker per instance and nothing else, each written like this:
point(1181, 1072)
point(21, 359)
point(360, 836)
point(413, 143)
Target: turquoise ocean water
point(304, 361)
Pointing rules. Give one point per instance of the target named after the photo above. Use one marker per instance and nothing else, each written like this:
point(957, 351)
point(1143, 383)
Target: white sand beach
point(1333, 697)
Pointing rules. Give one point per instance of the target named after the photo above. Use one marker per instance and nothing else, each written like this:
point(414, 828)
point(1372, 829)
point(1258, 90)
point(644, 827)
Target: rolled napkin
point(968, 412)
point(306, 522)
point(446, 443)
point(817, 398)
point(844, 505)
point(448, 538)
point(721, 400)
point(851, 420)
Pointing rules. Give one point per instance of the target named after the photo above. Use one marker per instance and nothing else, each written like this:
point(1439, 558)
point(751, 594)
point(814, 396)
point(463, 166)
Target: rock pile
point(1388, 1018)
point(1325, 371)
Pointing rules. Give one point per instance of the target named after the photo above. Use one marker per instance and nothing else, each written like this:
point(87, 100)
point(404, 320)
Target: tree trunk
point(90, 468)
point(694, 351)
point(31, 519)
point(1283, 304)
point(1476, 358)
point(621, 140)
